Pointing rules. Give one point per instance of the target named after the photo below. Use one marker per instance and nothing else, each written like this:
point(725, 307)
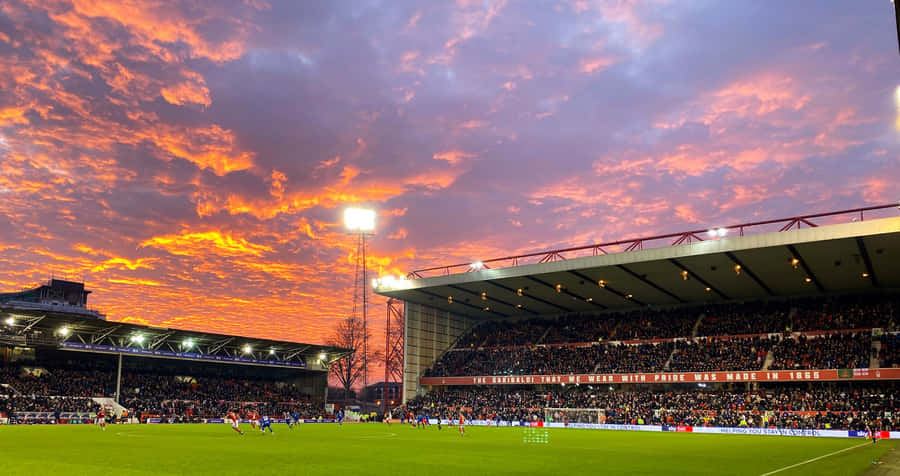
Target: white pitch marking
point(378, 437)
point(814, 459)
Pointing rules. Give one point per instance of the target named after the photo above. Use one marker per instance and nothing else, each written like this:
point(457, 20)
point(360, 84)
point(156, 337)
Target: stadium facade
point(762, 261)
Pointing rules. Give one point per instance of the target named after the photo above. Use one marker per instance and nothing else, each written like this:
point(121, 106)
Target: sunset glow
point(192, 161)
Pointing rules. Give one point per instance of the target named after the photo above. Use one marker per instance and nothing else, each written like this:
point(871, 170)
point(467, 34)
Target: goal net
point(574, 415)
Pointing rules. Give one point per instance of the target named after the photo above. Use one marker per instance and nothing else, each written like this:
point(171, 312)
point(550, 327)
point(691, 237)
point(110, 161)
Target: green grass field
point(375, 449)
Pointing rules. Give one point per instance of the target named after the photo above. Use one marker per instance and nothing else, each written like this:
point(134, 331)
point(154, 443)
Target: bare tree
point(349, 370)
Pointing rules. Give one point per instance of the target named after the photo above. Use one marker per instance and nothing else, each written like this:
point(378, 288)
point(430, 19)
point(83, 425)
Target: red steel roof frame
point(638, 243)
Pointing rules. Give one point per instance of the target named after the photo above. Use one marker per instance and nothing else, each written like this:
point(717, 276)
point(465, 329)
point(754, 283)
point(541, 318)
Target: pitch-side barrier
point(894, 435)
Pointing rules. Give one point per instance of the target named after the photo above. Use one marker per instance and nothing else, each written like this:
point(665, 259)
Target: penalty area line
point(815, 459)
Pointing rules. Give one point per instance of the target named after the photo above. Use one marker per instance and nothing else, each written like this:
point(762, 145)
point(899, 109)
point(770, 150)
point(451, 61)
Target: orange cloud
point(134, 282)
point(203, 243)
point(193, 91)
point(453, 157)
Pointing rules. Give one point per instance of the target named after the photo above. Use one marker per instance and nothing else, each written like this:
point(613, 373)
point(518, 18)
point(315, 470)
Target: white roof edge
point(737, 243)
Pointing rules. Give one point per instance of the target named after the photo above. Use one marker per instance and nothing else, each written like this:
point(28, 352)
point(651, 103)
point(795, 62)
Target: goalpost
point(575, 415)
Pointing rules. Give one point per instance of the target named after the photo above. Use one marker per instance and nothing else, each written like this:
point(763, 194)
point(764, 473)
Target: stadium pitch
point(375, 449)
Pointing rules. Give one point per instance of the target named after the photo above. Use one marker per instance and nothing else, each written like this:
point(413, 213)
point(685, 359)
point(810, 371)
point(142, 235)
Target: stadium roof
point(698, 267)
point(41, 328)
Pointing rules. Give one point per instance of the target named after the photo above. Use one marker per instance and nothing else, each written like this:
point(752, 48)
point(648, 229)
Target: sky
point(191, 160)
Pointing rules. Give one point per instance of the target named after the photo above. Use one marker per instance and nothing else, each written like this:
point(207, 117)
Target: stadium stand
point(644, 342)
point(61, 362)
point(836, 351)
point(797, 334)
point(794, 407)
point(169, 396)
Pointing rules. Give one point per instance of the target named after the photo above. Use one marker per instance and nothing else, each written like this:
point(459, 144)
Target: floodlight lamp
point(721, 232)
point(711, 232)
point(247, 349)
point(359, 219)
point(323, 356)
point(477, 265)
point(138, 338)
point(63, 331)
point(10, 321)
point(188, 343)
point(272, 351)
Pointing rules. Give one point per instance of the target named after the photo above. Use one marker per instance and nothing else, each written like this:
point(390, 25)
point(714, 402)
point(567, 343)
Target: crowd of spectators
point(28, 389)
point(554, 360)
point(834, 351)
point(889, 355)
point(73, 382)
point(814, 407)
point(498, 334)
point(10, 404)
point(707, 355)
point(761, 317)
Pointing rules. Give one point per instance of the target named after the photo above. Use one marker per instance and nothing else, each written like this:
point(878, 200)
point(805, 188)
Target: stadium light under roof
point(10, 321)
point(63, 331)
point(359, 220)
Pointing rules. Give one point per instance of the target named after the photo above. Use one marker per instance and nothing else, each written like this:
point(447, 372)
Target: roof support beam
point(526, 295)
point(698, 278)
point(809, 273)
point(218, 345)
point(464, 304)
point(31, 324)
point(295, 352)
point(753, 276)
point(160, 340)
point(566, 291)
point(544, 283)
point(864, 253)
point(487, 296)
point(650, 283)
point(97, 338)
point(610, 289)
point(582, 277)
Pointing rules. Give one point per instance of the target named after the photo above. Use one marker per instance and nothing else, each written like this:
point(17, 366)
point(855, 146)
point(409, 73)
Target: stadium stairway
point(770, 357)
point(665, 366)
point(10, 388)
point(109, 404)
point(696, 327)
point(874, 363)
point(543, 336)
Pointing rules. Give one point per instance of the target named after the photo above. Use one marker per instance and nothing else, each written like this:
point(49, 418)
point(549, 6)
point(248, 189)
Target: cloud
point(453, 157)
point(202, 243)
point(157, 148)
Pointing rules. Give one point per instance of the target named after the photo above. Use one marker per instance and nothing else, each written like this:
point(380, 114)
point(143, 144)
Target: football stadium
point(734, 350)
point(471, 237)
